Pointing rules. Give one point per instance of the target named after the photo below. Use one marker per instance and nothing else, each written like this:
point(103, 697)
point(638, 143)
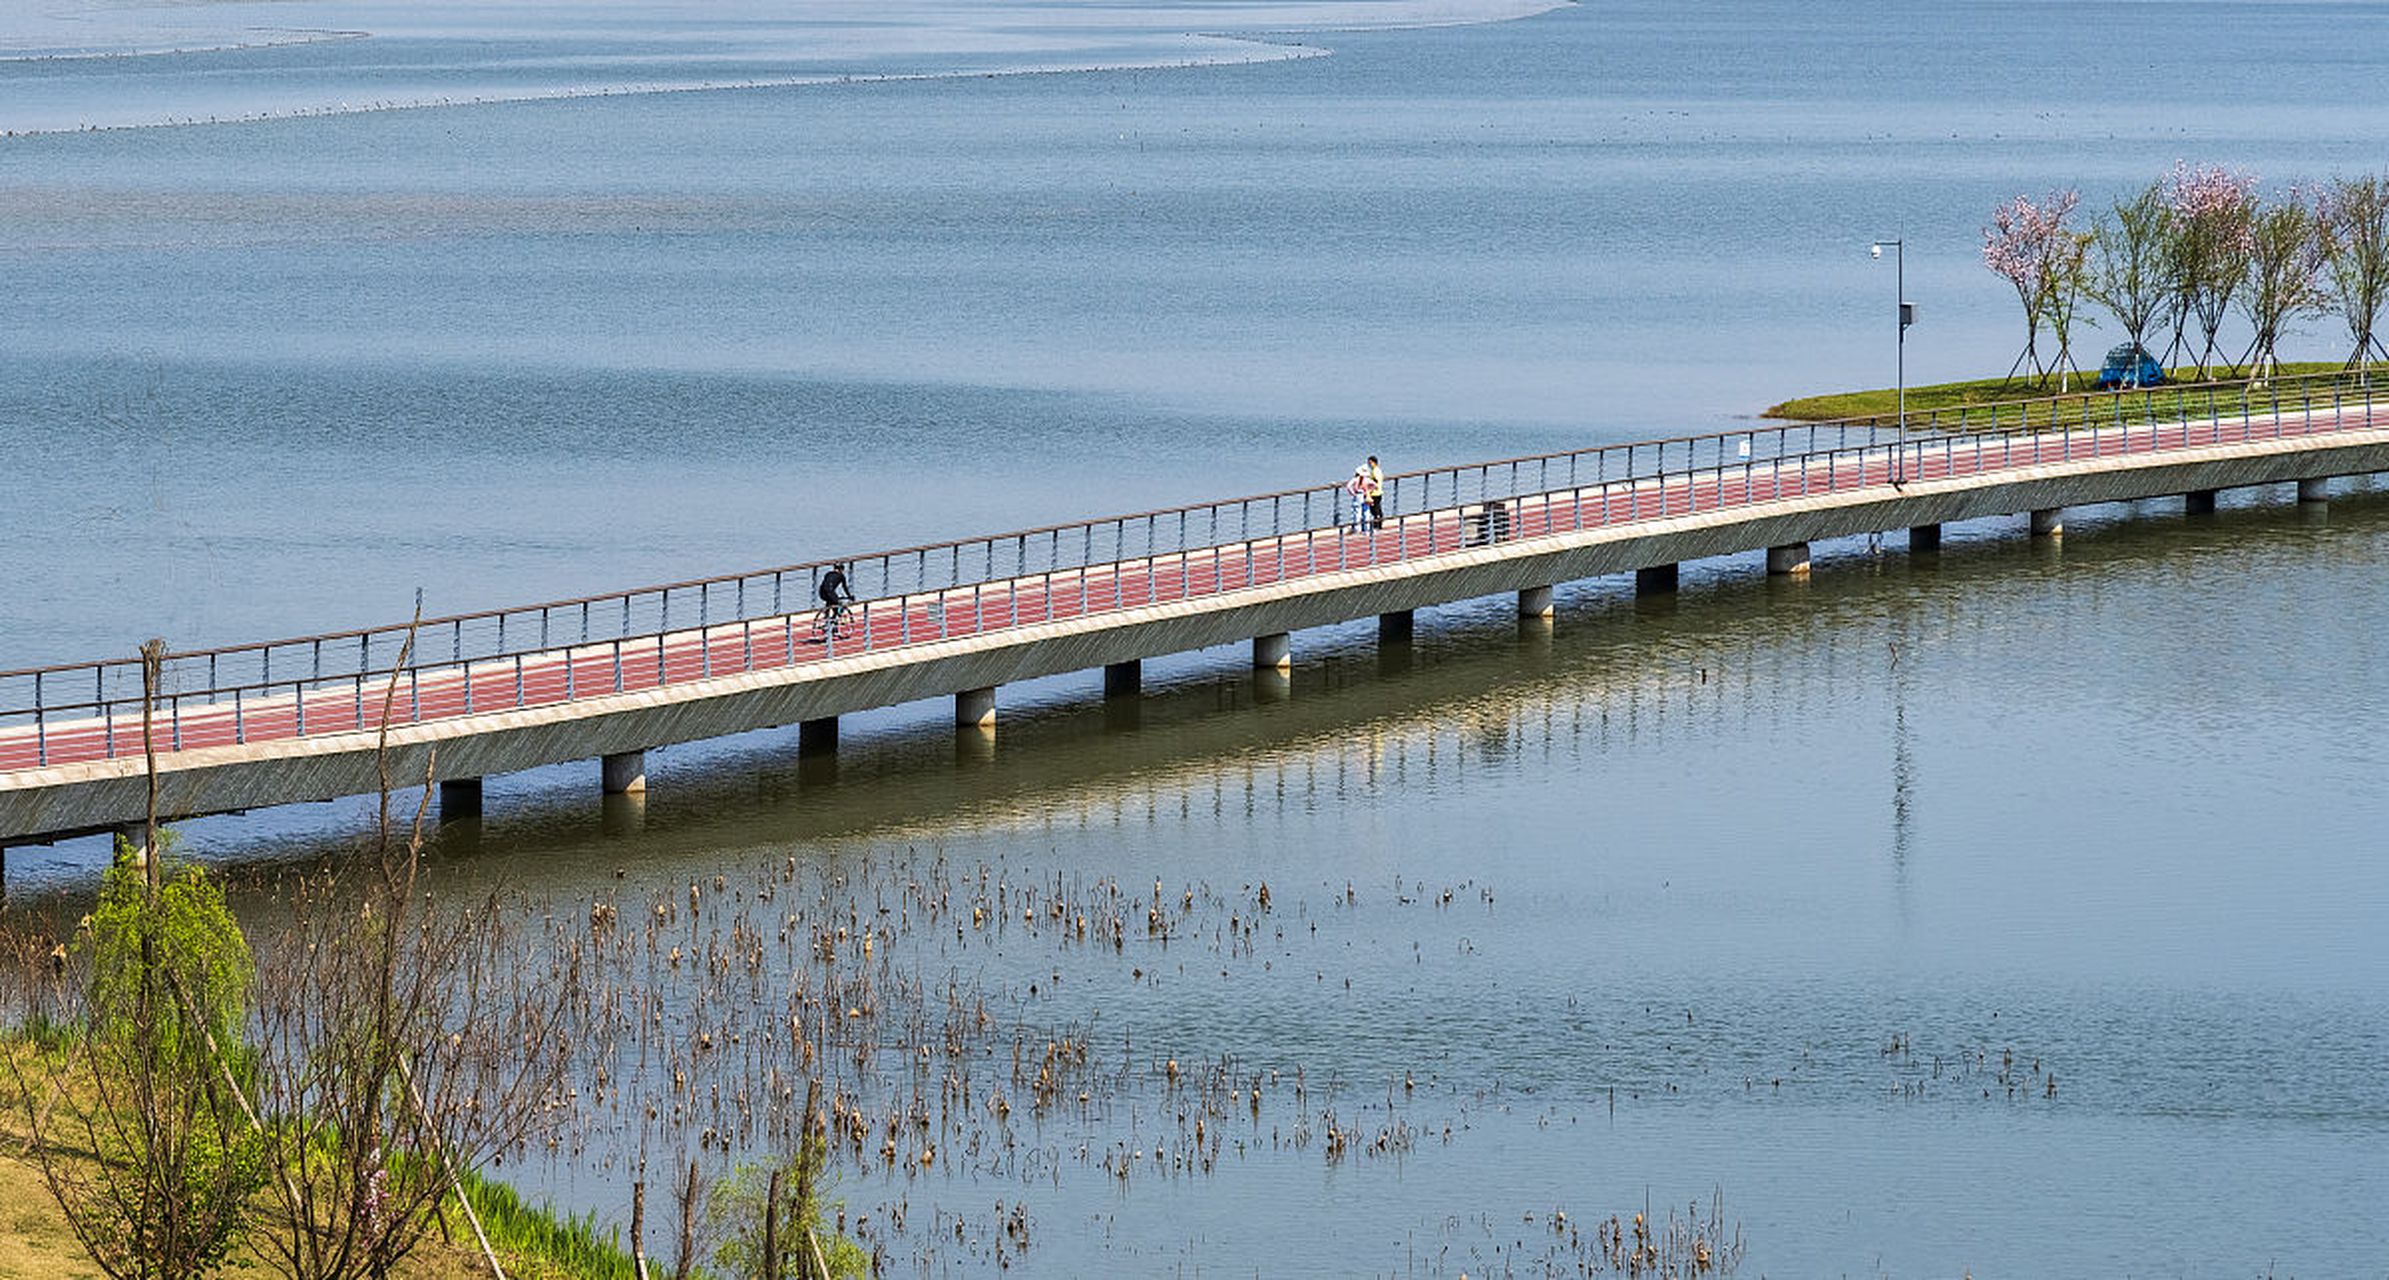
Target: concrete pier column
point(1789, 559)
point(2199, 502)
point(1123, 679)
point(1924, 537)
point(817, 737)
point(1658, 579)
point(130, 842)
point(2049, 522)
point(1535, 602)
point(460, 798)
point(975, 708)
point(623, 773)
point(1273, 652)
point(1395, 627)
point(2317, 489)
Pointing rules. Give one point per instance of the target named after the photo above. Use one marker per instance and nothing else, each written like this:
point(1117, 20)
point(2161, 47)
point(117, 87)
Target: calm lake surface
point(1774, 892)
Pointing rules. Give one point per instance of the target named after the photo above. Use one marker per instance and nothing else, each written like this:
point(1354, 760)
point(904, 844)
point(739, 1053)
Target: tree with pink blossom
point(2212, 208)
point(2033, 248)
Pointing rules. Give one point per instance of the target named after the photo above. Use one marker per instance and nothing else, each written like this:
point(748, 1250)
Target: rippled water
point(2112, 805)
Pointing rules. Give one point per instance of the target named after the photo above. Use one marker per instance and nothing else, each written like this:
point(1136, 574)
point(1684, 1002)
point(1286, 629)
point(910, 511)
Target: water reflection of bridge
point(610, 677)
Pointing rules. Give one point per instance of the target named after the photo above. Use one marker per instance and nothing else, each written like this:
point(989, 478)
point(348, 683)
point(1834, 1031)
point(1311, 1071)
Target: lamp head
point(1875, 249)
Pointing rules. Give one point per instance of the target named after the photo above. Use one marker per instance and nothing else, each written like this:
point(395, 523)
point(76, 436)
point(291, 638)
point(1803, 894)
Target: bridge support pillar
point(1790, 559)
point(2199, 502)
point(2048, 522)
point(2317, 489)
point(1123, 679)
point(1535, 602)
point(818, 737)
point(1273, 652)
point(130, 841)
point(1395, 627)
point(623, 773)
point(460, 798)
point(1658, 579)
point(975, 708)
point(1924, 537)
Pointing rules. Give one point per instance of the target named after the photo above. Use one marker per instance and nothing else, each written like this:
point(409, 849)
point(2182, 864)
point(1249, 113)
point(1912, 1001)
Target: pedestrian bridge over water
point(610, 677)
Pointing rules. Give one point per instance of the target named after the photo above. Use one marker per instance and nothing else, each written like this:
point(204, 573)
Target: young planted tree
point(2127, 274)
point(2208, 260)
point(2038, 253)
point(2012, 247)
point(2285, 262)
point(2065, 278)
point(2354, 218)
point(403, 1041)
point(138, 1126)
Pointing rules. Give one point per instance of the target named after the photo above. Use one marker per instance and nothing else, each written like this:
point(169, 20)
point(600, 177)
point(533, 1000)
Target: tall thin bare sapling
point(404, 1041)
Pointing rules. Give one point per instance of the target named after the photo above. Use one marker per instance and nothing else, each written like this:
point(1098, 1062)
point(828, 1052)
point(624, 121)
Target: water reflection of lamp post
point(1907, 316)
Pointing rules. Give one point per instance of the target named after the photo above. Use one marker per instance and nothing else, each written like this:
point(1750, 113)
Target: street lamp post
point(1906, 312)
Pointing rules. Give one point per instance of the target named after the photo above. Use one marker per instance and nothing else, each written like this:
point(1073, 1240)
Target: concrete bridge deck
point(73, 762)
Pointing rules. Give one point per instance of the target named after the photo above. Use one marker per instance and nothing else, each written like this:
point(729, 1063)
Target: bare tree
point(2354, 217)
point(403, 1041)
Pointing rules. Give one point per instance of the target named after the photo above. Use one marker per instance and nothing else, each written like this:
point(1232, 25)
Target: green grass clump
point(536, 1236)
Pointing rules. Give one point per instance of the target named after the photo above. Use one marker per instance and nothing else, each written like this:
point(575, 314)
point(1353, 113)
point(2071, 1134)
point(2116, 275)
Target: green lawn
point(1884, 401)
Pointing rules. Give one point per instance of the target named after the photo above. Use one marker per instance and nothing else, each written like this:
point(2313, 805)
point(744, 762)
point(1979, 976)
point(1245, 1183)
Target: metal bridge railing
point(568, 649)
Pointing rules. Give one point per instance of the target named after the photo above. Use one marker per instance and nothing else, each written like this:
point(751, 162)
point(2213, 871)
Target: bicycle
point(828, 618)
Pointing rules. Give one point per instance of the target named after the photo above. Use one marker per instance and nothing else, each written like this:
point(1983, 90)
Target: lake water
point(1753, 893)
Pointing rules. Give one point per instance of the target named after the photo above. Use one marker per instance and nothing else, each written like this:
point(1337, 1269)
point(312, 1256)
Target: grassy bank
point(1951, 395)
point(533, 1242)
